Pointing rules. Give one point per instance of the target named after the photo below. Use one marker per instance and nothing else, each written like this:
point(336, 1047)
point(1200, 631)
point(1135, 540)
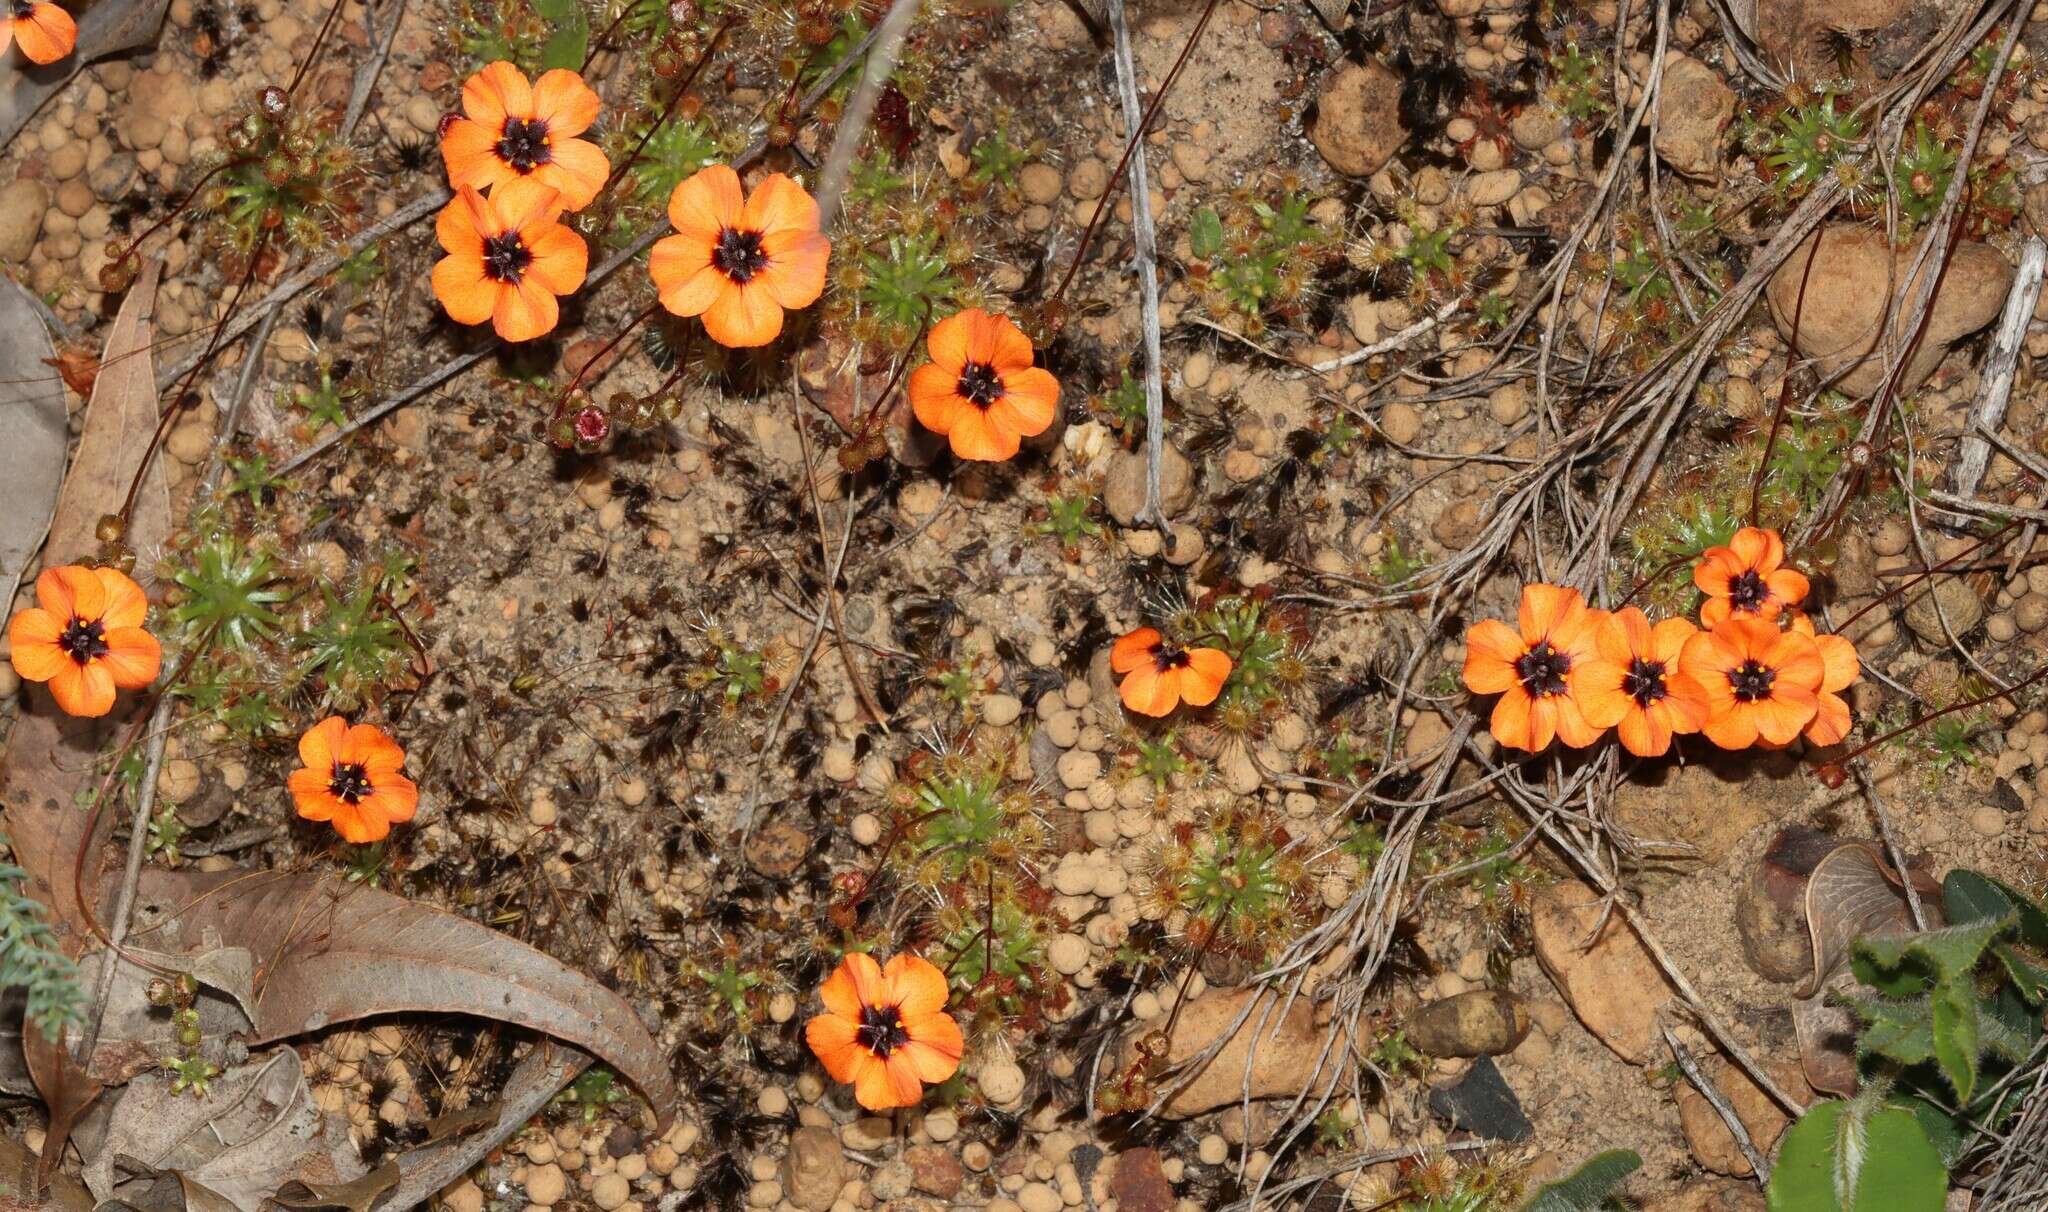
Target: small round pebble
point(1213, 1150)
point(610, 1191)
point(546, 1185)
point(773, 1100)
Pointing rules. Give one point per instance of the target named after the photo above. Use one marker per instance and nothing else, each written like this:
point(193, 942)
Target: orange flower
point(1634, 682)
point(518, 130)
point(738, 262)
point(84, 637)
point(1744, 581)
point(508, 259)
point(1839, 667)
point(1761, 683)
point(980, 389)
point(1536, 672)
point(351, 777)
point(886, 1030)
point(46, 33)
point(1159, 677)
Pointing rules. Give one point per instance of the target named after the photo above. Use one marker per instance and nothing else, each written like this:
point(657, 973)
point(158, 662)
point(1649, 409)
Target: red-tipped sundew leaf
point(327, 951)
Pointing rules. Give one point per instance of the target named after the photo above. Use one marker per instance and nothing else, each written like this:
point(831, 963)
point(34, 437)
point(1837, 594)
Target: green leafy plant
point(996, 158)
point(1921, 174)
point(1588, 1188)
point(594, 1090)
point(1578, 82)
point(1239, 883)
point(1807, 140)
point(29, 962)
point(1069, 519)
point(228, 588)
point(678, 148)
point(1255, 258)
point(1857, 1155)
point(286, 180)
point(908, 278)
point(354, 644)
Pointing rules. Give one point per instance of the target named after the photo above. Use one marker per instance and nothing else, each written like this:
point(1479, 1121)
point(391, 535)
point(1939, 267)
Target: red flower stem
point(1903, 586)
point(1181, 999)
point(1137, 138)
point(2002, 693)
point(319, 41)
point(896, 835)
point(874, 412)
point(171, 410)
point(604, 39)
point(1763, 465)
point(682, 90)
point(135, 245)
point(597, 357)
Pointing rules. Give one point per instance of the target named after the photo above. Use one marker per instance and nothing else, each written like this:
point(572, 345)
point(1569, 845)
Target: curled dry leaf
point(1853, 893)
point(837, 384)
point(327, 951)
point(50, 756)
point(256, 1130)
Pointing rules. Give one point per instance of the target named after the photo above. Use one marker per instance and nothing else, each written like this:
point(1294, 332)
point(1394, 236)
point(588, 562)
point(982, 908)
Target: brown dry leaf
point(327, 951)
point(33, 439)
point(19, 1191)
point(256, 1130)
point(356, 1195)
point(1827, 1044)
point(50, 756)
point(431, 1167)
point(79, 368)
point(1852, 893)
point(113, 25)
point(839, 386)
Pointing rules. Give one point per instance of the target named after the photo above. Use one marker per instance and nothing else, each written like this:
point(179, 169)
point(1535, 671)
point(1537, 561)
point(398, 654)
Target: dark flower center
point(1166, 659)
point(979, 384)
point(1748, 592)
point(21, 10)
point(524, 145)
point(1751, 681)
point(881, 1030)
point(506, 258)
point(84, 640)
point(1542, 670)
point(1644, 681)
point(738, 254)
point(350, 784)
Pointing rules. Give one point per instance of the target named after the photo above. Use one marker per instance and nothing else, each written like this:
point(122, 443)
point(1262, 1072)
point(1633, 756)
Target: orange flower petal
point(1514, 725)
point(1010, 350)
point(1644, 733)
point(935, 398)
point(1667, 641)
point(321, 745)
point(83, 690)
point(743, 317)
point(1491, 650)
point(935, 1050)
point(310, 795)
point(525, 205)
point(875, 1088)
point(1207, 670)
point(465, 293)
point(916, 986)
point(579, 170)
point(972, 437)
point(1785, 714)
point(1571, 724)
point(125, 604)
point(560, 260)
point(1717, 567)
point(525, 312)
point(461, 225)
point(841, 994)
point(1757, 549)
point(357, 826)
point(1797, 660)
point(469, 151)
point(497, 92)
point(32, 642)
point(1144, 691)
point(1839, 665)
point(1597, 686)
point(395, 799)
point(869, 989)
point(1622, 636)
point(707, 203)
point(1133, 650)
point(795, 276)
point(1685, 702)
point(1830, 721)
point(133, 657)
point(947, 342)
point(831, 1039)
point(563, 101)
point(71, 592)
point(1549, 611)
point(1787, 588)
point(1030, 400)
point(47, 34)
point(779, 204)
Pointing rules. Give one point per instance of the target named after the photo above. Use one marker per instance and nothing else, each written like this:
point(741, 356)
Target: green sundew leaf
point(1955, 1036)
point(1901, 1030)
point(1841, 1158)
point(1944, 954)
point(567, 46)
point(1969, 896)
point(1205, 233)
point(1587, 1187)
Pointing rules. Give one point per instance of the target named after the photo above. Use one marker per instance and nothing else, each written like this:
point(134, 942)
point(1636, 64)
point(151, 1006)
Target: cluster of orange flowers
point(44, 32)
point(1755, 672)
point(84, 639)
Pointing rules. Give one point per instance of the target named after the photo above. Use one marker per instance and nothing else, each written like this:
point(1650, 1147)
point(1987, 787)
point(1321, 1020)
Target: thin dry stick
point(1145, 256)
point(853, 125)
point(131, 875)
point(831, 588)
point(366, 76)
point(1719, 1102)
point(1891, 846)
point(1994, 388)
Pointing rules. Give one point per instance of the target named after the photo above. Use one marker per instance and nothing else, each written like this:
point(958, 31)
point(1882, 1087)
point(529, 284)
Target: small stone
point(1139, 1182)
point(1483, 1104)
point(1493, 188)
point(1479, 1023)
point(778, 848)
point(1697, 105)
point(1401, 423)
point(814, 1168)
point(610, 1192)
point(935, 1171)
point(178, 780)
point(1001, 710)
point(1949, 598)
point(1614, 986)
point(1358, 125)
point(1039, 1197)
point(1068, 952)
point(1039, 183)
point(464, 1196)
point(1123, 486)
point(1001, 1082)
point(1707, 1135)
point(545, 1185)
point(839, 764)
point(189, 443)
point(22, 204)
point(941, 1124)
point(1987, 820)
